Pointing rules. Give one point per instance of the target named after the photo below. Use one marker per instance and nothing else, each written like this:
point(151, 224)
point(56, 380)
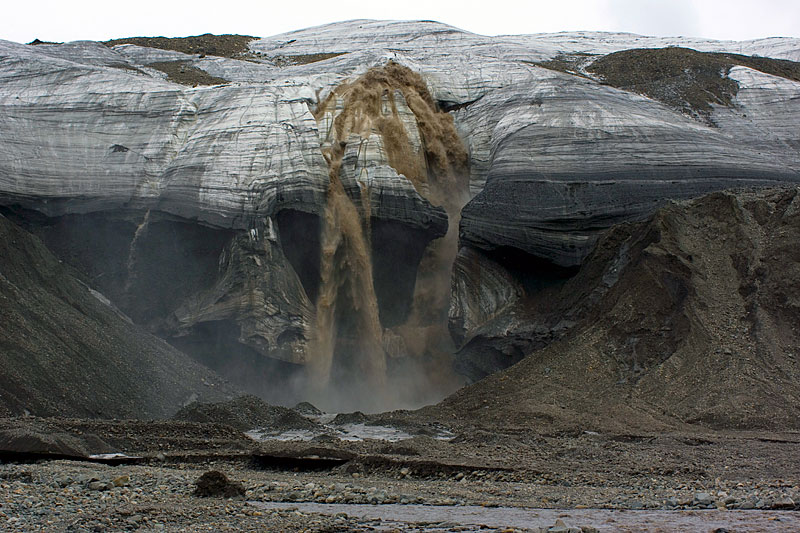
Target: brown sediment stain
point(438, 170)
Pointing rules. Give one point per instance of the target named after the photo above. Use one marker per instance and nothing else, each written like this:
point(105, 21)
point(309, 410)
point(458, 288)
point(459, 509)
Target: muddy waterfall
point(385, 115)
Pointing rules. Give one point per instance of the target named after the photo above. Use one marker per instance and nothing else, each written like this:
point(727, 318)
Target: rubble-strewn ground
point(687, 318)
point(234, 46)
point(676, 471)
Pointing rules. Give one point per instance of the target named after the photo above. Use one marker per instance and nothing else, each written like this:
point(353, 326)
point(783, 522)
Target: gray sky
point(62, 20)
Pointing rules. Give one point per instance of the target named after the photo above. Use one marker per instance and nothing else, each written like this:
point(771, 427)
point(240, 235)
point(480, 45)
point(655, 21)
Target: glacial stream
point(356, 431)
point(446, 517)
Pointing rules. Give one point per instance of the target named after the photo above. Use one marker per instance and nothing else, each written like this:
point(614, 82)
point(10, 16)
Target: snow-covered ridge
point(421, 36)
point(586, 42)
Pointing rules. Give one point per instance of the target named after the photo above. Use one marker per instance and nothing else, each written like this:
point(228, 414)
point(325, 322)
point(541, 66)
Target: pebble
point(703, 498)
point(98, 485)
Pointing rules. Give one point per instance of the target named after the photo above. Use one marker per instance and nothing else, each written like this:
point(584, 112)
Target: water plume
point(346, 285)
point(348, 331)
point(141, 228)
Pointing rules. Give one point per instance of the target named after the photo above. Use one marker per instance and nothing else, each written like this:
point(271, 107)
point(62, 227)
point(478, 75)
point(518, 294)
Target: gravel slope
point(64, 350)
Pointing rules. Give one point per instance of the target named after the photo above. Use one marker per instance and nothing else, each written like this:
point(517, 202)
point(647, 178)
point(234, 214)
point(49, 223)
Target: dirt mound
point(688, 318)
point(81, 437)
point(245, 413)
point(216, 484)
point(307, 409)
point(356, 417)
point(685, 79)
point(185, 74)
point(234, 46)
point(31, 441)
point(66, 351)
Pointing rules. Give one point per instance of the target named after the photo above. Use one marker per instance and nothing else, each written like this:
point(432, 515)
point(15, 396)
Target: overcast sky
point(64, 20)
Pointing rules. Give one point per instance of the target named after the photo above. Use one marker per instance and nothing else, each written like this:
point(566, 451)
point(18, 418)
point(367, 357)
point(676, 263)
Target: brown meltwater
point(348, 331)
point(346, 283)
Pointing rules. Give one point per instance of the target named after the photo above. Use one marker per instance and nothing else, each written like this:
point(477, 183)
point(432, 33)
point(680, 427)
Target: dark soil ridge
point(67, 351)
point(81, 437)
point(185, 74)
point(245, 413)
point(688, 319)
point(682, 78)
point(304, 59)
point(38, 41)
point(232, 46)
